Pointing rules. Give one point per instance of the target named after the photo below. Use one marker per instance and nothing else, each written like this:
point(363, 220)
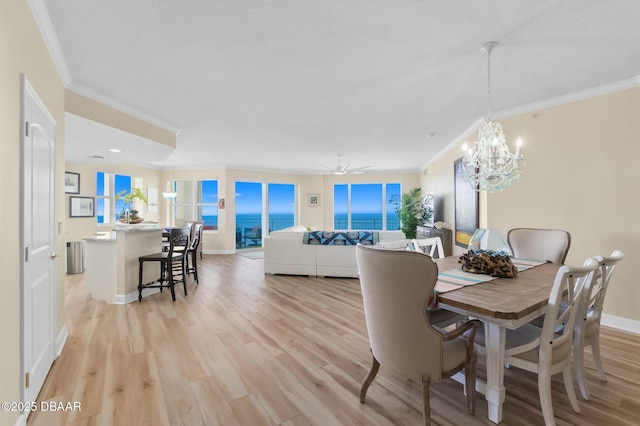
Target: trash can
point(75, 257)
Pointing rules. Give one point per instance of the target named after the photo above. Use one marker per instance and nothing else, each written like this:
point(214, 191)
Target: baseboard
point(61, 340)
point(623, 324)
point(219, 251)
point(123, 299)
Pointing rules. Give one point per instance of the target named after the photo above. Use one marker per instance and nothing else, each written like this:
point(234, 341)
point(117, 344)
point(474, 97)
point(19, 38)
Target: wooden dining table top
point(501, 298)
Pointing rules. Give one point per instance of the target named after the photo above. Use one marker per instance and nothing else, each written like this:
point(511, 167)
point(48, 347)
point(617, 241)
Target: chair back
point(590, 310)
point(556, 338)
point(197, 236)
point(179, 240)
point(539, 244)
point(433, 244)
point(396, 288)
point(395, 245)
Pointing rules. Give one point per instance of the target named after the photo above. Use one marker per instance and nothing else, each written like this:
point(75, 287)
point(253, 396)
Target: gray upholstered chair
point(547, 351)
point(587, 328)
point(539, 244)
point(396, 288)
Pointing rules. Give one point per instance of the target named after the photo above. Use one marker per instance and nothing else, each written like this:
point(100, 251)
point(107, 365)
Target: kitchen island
point(111, 262)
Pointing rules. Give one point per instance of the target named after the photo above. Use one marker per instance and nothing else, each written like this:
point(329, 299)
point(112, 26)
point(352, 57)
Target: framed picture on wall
point(81, 206)
point(466, 207)
point(314, 200)
point(71, 183)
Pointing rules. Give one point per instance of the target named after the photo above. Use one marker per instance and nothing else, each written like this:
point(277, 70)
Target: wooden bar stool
point(193, 251)
point(172, 264)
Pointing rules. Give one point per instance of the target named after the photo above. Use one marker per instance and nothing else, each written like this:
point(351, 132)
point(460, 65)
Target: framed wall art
point(71, 183)
point(466, 207)
point(81, 206)
point(314, 200)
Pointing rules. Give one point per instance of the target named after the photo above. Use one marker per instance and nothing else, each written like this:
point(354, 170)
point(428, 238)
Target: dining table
point(501, 303)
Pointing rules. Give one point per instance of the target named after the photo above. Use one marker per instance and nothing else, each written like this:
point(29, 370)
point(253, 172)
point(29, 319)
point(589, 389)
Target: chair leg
point(184, 272)
point(171, 282)
point(544, 390)
point(140, 281)
point(426, 404)
point(571, 392)
point(194, 257)
point(595, 350)
point(375, 366)
point(581, 376)
point(470, 384)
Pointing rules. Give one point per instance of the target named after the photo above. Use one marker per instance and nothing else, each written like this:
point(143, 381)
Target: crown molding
point(43, 21)
point(536, 106)
point(572, 97)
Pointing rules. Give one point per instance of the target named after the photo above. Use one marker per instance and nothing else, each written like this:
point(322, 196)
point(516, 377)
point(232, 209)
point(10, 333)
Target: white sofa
point(284, 253)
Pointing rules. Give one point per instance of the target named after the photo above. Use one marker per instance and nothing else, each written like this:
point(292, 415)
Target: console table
point(444, 234)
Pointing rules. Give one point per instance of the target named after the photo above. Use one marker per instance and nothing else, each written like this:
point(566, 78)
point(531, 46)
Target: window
point(365, 206)
point(107, 209)
point(196, 201)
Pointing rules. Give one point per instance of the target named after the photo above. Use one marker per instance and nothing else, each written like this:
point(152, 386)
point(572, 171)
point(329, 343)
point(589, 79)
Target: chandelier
point(489, 165)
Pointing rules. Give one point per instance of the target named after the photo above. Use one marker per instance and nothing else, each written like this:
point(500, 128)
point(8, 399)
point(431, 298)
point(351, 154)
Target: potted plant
point(408, 207)
point(128, 198)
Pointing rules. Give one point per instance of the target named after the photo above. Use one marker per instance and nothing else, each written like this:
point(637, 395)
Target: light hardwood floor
point(248, 349)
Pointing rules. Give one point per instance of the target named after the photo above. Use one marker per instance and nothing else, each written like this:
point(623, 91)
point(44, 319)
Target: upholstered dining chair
point(396, 288)
point(539, 244)
point(172, 265)
point(587, 327)
point(547, 351)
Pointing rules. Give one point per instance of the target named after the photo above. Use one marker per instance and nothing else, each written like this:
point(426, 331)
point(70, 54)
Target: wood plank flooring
point(248, 349)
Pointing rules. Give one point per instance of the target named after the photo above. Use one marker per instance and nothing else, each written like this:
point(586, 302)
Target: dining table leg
point(494, 348)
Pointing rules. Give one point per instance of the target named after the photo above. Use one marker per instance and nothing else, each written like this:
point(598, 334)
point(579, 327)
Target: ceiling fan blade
point(358, 169)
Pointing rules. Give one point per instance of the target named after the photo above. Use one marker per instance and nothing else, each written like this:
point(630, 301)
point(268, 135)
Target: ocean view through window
point(365, 206)
point(260, 205)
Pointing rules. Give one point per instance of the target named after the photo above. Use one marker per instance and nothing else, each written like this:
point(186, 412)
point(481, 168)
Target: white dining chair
point(547, 351)
point(587, 327)
point(440, 318)
point(432, 245)
point(395, 245)
point(539, 244)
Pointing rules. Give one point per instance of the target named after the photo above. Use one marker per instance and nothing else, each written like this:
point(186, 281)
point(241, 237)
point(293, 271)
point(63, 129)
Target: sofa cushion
point(338, 238)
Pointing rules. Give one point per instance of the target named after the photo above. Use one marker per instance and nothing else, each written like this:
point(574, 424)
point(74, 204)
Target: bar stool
point(172, 264)
point(193, 251)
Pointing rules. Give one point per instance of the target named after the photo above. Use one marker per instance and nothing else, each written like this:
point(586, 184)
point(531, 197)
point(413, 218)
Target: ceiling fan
point(343, 170)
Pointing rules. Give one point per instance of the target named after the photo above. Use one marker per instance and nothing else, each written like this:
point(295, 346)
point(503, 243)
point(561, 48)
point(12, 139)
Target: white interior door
point(39, 272)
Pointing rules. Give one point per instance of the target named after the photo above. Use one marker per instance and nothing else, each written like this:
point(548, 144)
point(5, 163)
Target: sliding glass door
point(262, 208)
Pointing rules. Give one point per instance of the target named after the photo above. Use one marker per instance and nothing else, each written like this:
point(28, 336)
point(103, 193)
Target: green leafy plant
point(408, 207)
point(136, 193)
point(128, 198)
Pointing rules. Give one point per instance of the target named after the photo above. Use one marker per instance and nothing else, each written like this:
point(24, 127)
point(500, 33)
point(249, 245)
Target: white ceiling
point(287, 84)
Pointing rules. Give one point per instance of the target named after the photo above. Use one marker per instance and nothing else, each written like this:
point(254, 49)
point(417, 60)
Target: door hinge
point(26, 381)
point(26, 128)
point(26, 254)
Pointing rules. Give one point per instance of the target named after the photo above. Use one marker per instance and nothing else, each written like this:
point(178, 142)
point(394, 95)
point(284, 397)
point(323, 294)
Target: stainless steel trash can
point(75, 257)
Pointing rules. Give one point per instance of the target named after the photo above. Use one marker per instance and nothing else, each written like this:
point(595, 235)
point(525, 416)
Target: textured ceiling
point(287, 84)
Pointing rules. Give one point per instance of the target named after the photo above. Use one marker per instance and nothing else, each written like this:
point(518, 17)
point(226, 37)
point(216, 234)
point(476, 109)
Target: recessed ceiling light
point(114, 150)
